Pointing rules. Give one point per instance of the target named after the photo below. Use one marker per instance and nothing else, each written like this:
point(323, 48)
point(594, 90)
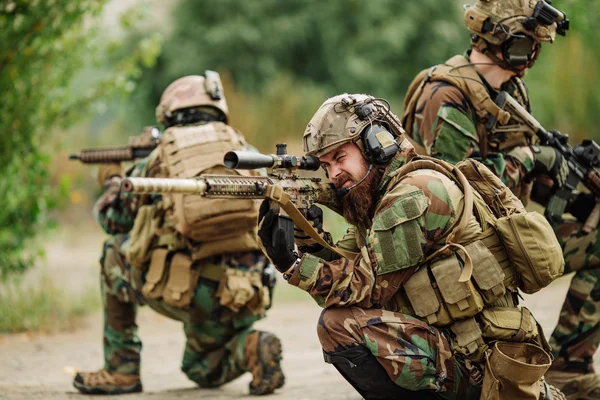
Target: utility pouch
point(181, 283)
point(461, 298)
point(142, 235)
point(487, 273)
point(425, 300)
point(492, 241)
point(509, 324)
point(467, 339)
point(241, 289)
point(513, 371)
point(156, 277)
point(533, 249)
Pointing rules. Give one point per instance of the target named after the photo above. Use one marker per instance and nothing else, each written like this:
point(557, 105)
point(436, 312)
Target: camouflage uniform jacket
point(412, 217)
point(445, 125)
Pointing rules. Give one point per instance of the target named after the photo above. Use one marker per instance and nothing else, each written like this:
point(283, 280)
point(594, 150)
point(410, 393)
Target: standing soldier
point(446, 111)
point(189, 258)
point(421, 288)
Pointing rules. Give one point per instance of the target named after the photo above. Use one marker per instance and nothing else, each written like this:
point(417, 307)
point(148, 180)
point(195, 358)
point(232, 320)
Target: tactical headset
point(378, 144)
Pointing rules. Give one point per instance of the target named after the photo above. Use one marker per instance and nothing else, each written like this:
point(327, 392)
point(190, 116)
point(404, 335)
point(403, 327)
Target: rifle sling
point(276, 193)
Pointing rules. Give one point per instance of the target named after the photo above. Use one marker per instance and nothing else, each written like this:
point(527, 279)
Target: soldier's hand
point(549, 161)
point(107, 171)
point(305, 243)
point(581, 207)
point(274, 244)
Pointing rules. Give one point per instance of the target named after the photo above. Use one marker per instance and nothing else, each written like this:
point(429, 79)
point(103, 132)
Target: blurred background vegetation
point(82, 73)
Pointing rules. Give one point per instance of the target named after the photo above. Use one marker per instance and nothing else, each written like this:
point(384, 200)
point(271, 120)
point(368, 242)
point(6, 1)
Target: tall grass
point(42, 305)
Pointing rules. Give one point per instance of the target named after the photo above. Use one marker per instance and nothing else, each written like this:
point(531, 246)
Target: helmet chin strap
point(341, 192)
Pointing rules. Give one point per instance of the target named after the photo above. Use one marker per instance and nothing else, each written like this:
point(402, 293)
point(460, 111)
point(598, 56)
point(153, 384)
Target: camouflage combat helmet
point(341, 119)
point(496, 22)
point(192, 91)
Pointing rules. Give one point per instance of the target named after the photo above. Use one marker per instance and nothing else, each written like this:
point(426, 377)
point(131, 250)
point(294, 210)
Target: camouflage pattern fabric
point(215, 335)
point(411, 217)
point(416, 356)
point(577, 334)
point(445, 126)
point(214, 352)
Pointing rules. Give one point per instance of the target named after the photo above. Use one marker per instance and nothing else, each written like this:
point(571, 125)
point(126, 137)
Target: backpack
point(528, 238)
point(188, 151)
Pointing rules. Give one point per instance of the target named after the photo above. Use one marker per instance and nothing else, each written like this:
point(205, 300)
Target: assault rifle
point(290, 194)
point(139, 147)
point(581, 159)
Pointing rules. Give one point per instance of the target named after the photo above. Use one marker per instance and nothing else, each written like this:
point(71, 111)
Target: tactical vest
point(169, 236)
point(212, 225)
point(469, 283)
point(458, 73)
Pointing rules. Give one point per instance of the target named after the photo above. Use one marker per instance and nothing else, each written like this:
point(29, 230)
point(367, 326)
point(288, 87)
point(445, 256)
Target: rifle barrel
point(164, 185)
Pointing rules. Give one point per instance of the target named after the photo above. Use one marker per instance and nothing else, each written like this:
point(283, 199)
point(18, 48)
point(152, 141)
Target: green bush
point(43, 46)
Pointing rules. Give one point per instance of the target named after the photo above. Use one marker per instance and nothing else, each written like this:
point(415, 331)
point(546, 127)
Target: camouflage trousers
point(415, 355)
point(215, 335)
point(577, 333)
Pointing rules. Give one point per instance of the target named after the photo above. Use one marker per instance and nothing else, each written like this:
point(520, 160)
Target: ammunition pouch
point(436, 294)
point(171, 277)
point(241, 288)
point(513, 371)
point(143, 235)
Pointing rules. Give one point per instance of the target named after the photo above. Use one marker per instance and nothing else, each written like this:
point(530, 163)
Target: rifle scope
point(248, 160)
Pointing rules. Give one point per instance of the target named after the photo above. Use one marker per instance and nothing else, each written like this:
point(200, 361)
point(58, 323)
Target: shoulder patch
point(397, 236)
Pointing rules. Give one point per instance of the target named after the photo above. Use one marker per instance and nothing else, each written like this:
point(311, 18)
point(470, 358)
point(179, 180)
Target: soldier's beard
point(358, 205)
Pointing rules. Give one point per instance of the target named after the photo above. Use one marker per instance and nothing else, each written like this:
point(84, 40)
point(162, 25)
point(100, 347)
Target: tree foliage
point(354, 45)
point(43, 45)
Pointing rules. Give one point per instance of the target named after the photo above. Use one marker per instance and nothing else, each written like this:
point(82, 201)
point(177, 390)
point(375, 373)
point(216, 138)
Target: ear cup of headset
point(379, 144)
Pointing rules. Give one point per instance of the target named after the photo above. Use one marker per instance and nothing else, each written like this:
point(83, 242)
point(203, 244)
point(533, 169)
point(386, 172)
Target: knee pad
point(362, 370)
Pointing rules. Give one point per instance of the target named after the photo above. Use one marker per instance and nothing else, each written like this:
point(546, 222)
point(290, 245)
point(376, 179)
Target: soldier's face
point(345, 165)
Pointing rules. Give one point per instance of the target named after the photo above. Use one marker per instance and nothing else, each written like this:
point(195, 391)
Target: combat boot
point(549, 392)
point(575, 385)
point(262, 357)
point(105, 382)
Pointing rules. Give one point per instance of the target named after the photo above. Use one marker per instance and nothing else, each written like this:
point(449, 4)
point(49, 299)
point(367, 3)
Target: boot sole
point(270, 362)
point(108, 390)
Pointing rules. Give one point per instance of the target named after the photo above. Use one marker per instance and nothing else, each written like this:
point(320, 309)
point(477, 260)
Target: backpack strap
point(458, 72)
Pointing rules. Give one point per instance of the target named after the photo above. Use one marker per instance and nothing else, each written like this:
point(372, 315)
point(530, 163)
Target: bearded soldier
point(421, 287)
point(447, 108)
point(192, 259)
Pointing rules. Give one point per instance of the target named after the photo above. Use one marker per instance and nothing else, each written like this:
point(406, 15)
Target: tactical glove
point(582, 206)
point(305, 243)
point(277, 249)
point(107, 171)
point(549, 161)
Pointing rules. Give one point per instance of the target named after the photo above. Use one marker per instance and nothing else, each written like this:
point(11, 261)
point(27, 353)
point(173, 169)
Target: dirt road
point(39, 366)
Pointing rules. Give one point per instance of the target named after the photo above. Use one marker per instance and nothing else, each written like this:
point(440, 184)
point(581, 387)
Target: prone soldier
point(426, 292)
point(447, 113)
point(192, 259)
